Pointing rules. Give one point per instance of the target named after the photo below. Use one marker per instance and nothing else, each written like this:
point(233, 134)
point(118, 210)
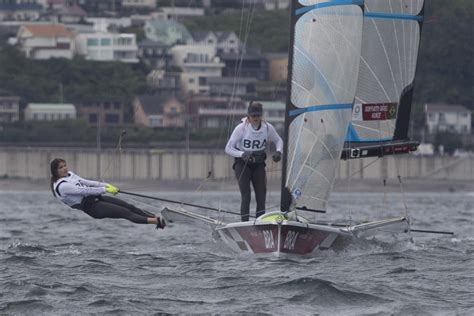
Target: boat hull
point(286, 234)
point(285, 238)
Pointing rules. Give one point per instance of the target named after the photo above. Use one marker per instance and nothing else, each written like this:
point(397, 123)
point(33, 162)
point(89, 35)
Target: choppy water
point(54, 260)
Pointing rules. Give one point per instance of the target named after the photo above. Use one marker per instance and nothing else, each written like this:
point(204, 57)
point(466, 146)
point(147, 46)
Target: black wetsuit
point(102, 206)
point(254, 173)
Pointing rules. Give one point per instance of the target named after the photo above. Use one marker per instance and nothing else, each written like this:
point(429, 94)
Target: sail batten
point(391, 16)
point(325, 4)
point(323, 107)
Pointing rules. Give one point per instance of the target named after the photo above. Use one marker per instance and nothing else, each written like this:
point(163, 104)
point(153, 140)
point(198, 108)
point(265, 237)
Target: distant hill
point(74, 81)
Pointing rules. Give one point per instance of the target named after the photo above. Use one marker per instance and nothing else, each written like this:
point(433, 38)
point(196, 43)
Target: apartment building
point(9, 109)
point(106, 46)
point(198, 63)
point(448, 118)
point(50, 111)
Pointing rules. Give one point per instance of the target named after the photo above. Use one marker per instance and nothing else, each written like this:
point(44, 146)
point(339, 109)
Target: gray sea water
point(55, 260)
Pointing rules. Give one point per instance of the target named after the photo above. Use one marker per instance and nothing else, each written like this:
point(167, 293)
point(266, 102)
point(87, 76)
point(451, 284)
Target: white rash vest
point(246, 138)
point(72, 189)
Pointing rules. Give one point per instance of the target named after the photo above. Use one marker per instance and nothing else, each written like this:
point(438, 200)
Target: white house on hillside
point(179, 12)
point(225, 42)
point(103, 24)
point(44, 41)
point(139, 4)
point(105, 46)
point(269, 4)
point(448, 118)
point(168, 32)
point(9, 109)
point(50, 111)
point(198, 63)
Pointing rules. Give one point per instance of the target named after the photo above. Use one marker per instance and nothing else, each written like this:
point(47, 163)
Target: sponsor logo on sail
point(379, 111)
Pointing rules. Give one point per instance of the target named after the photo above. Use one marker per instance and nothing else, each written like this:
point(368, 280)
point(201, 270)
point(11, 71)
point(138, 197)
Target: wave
point(400, 270)
point(325, 293)
point(20, 259)
point(26, 247)
point(25, 307)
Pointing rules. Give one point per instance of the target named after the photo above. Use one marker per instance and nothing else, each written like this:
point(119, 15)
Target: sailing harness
point(83, 195)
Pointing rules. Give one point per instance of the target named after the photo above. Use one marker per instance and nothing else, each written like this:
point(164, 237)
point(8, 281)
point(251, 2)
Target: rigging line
point(118, 150)
point(176, 202)
point(402, 189)
point(384, 200)
point(239, 63)
point(203, 181)
point(238, 69)
point(363, 167)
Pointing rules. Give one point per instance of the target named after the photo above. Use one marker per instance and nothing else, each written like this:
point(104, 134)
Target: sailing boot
point(160, 223)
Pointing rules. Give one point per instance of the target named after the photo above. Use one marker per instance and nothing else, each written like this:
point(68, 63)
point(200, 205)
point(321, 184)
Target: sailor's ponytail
point(54, 172)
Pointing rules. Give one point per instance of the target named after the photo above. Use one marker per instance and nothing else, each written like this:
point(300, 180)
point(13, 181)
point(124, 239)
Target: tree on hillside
point(75, 81)
point(445, 66)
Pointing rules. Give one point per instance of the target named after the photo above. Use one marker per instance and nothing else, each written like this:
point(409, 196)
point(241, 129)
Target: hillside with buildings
point(183, 71)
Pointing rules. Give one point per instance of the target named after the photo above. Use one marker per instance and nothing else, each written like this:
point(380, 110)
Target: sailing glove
point(248, 157)
point(276, 156)
point(109, 188)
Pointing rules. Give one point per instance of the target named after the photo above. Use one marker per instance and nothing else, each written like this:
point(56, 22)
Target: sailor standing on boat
point(87, 196)
point(247, 145)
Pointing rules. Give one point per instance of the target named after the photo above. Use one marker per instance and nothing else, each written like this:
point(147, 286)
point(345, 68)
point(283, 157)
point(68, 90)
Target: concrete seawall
point(176, 165)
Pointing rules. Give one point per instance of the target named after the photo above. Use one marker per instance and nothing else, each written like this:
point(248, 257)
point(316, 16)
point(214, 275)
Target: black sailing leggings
point(102, 206)
point(255, 173)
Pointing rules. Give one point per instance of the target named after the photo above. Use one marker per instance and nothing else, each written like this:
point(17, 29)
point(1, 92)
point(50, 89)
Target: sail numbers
point(290, 240)
point(269, 241)
point(289, 243)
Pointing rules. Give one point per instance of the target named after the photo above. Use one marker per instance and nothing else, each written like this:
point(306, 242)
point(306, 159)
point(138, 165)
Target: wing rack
point(355, 150)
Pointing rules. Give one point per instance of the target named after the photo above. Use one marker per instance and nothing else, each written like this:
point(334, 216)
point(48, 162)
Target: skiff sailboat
point(350, 84)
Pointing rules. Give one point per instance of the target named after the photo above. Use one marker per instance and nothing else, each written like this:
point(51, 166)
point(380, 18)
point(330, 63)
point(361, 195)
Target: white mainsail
point(324, 70)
